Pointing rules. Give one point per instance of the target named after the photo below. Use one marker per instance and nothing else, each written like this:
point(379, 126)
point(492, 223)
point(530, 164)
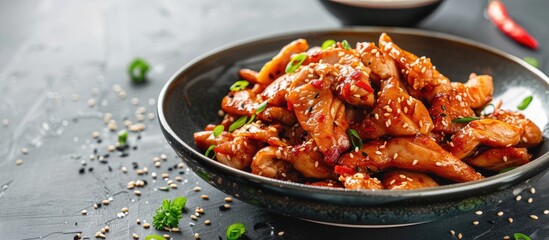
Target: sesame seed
point(18, 162)
point(478, 213)
point(350, 155)
point(280, 233)
point(207, 222)
point(392, 182)
point(376, 116)
point(518, 198)
point(228, 199)
point(24, 150)
point(438, 164)
point(91, 102)
point(106, 202)
point(175, 230)
point(135, 236)
point(316, 164)
point(146, 225)
point(124, 210)
point(194, 217)
point(545, 211)
point(510, 220)
point(226, 206)
point(534, 217)
point(532, 190)
point(107, 228)
point(5, 122)
point(166, 236)
point(530, 200)
point(451, 144)
point(173, 186)
point(395, 156)
point(377, 152)
point(460, 236)
point(165, 175)
point(137, 192)
point(197, 189)
point(196, 235)
point(84, 212)
point(415, 162)
point(500, 213)
point(452, 232)
point(475, 222)
point(96, 134)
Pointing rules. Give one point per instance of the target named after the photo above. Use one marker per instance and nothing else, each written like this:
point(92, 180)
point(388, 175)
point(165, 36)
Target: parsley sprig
point(169, 214)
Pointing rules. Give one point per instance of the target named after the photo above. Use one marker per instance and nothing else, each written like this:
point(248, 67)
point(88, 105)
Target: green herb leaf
point(296, 61)
point(532, 61)
point(521, 236)
point(154, 237)
point(207, 154)
point(465, 119)
point(138, 69)
point(218, 130)
point(122, 137)
point(346, 45)
point(328, 43)
point(238, 123)
point(239, 85)
point(355, 138)
point(525, 102)
point(261, 107)
point(235, 231)
point(169, 213)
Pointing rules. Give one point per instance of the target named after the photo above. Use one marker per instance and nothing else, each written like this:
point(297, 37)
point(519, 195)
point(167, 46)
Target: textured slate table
point(60, 62)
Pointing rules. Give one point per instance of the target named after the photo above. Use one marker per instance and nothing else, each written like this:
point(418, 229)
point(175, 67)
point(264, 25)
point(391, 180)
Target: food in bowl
point(370, 117)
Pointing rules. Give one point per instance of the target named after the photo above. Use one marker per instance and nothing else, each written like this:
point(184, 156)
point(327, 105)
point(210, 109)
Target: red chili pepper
point(289, 105)
point(365, 86)
point(499, 16)
point(344, 170)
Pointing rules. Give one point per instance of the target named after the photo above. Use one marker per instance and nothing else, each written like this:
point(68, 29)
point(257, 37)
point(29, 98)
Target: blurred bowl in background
point(381, 12)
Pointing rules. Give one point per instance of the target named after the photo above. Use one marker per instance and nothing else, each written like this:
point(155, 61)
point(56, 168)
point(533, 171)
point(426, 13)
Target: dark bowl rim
point(466, 189)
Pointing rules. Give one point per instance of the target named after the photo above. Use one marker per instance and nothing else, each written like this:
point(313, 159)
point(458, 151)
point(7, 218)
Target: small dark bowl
point(381, 13)
point(191, 99)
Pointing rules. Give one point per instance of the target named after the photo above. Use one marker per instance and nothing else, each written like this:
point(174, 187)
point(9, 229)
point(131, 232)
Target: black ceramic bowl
point(192, 97)
point(381, 12)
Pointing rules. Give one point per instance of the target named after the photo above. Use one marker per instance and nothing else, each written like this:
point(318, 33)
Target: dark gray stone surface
point(56, 55)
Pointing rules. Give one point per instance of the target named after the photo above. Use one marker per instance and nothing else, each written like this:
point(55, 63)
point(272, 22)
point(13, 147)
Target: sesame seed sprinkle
point(510, 220)
point(545, 212)
point(438, 164)
point(500, 213)
point(476, 222)
point(530, 200)
point(534, 217)
point(478, 213)
point(415, 162)
point(518, 198)
point(532, 190)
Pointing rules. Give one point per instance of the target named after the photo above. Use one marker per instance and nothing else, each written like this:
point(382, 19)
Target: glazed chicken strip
point(276, 92)
point(237, 153)
point(497, 159)
point(303, 158)
point(407, 180)
point(361, 181)
point(277, 66)
point(447, 106)
point(245, 102)
point(488, 132)
point(419, 71)
point(419, 153)
point(477, 91)
point(205, 139)
point(382, 66)
point(395, 113)
point(531, 134)
point(266, 164)
point(323, 116)
point(261, 132)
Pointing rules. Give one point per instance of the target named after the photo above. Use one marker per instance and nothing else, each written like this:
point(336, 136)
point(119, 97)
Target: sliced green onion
point(261, 107)
point(238, 123)
point(355, 139)
point(296, 61)
point(525, 102)
point(465, 119)
point(138, 69)
point(218, 130)
point(328, 43)
point(210, 149)
point(521, 236)
point(488, 107)
point(122, 137)
point(235, 231)
point(346, 45)
point(239, 85)
point(532, 61)
point(154, 237)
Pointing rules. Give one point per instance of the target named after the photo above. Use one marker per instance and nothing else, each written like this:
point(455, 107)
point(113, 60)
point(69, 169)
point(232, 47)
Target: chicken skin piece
point(407, 180)
point(447, 106)
point(382, 66)
point(497, 159)
point(277, 66)
point(420, 154)
point(477, 91)
point(237, 153)
point(266, 164)
point(489, 132)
